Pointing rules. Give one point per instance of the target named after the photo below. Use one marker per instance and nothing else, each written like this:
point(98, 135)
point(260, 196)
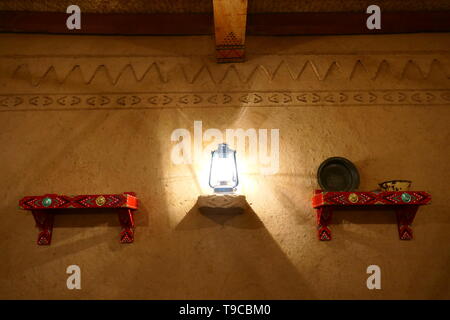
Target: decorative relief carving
point(244, 99)
point(175, 82)
point(344, 68)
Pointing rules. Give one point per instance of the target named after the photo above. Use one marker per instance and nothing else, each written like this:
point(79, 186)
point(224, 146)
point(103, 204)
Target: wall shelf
point(44, 208)
point(405, 204)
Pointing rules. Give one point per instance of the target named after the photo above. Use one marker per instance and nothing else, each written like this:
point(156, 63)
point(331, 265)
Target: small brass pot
point(395, 185)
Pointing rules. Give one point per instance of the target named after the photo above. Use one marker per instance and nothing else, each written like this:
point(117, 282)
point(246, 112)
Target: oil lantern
point(223, 175)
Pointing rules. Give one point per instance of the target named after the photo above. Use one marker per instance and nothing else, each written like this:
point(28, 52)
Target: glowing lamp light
point(223, 175)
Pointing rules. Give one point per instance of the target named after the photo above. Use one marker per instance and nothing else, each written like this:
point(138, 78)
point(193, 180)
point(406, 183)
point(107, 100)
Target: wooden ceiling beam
point(267, 24)
point(230, 18)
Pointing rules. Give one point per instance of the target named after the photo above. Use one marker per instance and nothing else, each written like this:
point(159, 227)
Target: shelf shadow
point(234, 256)
point(82, 218)
point(368, 215)
point(92, 217)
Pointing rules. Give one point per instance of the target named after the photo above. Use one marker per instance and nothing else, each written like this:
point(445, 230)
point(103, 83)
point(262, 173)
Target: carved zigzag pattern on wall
point(310, 70)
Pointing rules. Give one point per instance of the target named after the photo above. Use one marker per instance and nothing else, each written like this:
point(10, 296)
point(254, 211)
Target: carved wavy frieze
point(110, 71)
point(71, 82)
point(223, 99)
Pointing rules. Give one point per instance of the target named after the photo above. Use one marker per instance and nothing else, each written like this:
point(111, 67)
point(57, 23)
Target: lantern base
point(228, 190)
point(224, 203)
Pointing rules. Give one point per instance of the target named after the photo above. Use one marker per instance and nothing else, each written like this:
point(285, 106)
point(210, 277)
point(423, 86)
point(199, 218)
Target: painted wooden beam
point(230, 18)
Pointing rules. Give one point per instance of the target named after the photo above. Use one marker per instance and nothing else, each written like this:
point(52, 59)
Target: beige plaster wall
point(95, 114)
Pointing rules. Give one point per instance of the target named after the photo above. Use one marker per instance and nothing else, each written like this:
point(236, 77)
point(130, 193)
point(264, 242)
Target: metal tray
point(338, 174)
